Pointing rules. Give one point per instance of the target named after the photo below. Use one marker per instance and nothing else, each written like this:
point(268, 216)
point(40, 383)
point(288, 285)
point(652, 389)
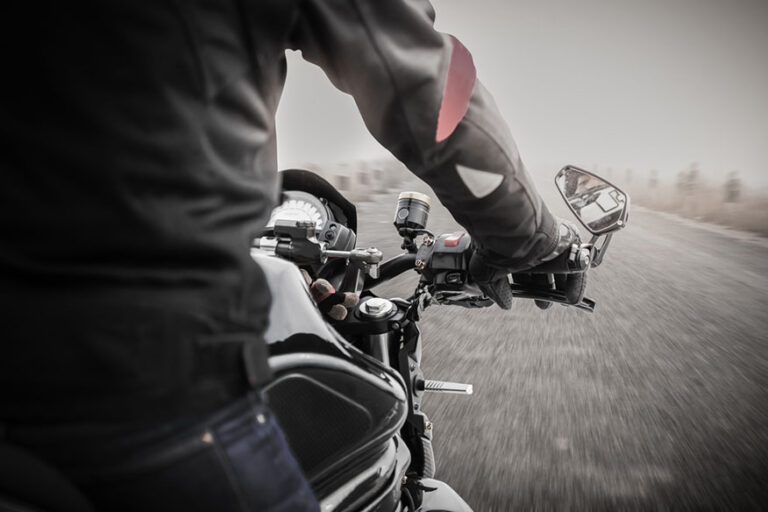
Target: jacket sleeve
point(417, 92)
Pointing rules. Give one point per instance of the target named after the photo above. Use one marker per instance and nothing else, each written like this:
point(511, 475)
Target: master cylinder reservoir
point(412, 212)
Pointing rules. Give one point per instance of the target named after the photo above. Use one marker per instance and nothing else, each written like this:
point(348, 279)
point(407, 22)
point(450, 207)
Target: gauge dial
point(299, 206)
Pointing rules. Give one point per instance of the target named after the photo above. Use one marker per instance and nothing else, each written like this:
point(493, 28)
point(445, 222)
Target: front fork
point(417, 430)
point(417, 427)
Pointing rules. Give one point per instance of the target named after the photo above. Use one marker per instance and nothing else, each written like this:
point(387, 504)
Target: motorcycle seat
point(27, 484)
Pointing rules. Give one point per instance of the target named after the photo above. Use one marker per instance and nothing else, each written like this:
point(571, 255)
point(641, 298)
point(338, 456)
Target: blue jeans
point(235, 459)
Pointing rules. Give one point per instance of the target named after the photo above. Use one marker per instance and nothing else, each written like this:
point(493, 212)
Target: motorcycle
point(348, 393)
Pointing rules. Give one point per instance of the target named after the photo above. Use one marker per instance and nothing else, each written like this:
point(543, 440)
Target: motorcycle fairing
point(292, 309)
point(339, 408)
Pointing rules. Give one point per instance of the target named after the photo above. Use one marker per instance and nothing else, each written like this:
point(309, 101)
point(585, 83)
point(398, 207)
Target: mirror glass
point(599, 206)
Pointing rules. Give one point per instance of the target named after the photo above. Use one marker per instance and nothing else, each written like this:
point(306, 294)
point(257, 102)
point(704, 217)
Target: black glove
point(541, 281)
point(492, 281)
point(332, 303)
point(572, 284)
point(495, 281)
point(568, 235)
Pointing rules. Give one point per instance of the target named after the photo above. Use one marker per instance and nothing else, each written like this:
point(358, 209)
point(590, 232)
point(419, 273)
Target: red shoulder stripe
point(458, 89)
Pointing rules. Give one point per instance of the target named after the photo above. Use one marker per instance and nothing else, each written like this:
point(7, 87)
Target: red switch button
point(453, 240)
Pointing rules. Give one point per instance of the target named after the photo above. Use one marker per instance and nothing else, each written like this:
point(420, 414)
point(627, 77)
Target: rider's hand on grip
point(564, 270)
point(540, 281)
point(573, 285)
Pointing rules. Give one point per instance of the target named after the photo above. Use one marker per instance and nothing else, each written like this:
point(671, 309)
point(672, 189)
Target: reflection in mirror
point(598, 205)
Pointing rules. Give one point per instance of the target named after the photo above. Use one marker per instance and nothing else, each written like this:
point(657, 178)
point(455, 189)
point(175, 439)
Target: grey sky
point(651, 84)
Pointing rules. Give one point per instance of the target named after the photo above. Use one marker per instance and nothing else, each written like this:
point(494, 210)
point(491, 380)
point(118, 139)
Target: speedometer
point(300, 206)
point(306, 198)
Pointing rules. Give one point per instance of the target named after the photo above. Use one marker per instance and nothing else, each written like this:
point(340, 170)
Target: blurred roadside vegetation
point(728, 201)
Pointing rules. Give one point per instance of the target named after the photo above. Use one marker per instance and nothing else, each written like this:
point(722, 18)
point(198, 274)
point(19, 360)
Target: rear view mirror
point(599, 206)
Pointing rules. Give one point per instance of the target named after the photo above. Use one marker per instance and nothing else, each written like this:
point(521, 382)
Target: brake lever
point(557, 296)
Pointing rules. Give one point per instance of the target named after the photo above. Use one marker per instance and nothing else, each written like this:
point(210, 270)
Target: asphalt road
point(657, 401)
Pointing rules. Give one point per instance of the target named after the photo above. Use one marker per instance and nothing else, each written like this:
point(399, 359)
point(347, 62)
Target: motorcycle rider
point(139, 162)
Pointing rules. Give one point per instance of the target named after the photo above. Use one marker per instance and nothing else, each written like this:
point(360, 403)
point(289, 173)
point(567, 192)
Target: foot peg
point(439, 386)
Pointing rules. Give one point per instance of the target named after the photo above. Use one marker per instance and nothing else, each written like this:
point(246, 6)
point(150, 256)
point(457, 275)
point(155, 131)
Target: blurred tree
point(733, 188)
point(688, 181)
point(653, 181)
point(628, 176)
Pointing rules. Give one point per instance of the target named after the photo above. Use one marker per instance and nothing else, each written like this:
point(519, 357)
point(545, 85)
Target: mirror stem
point(599, 252)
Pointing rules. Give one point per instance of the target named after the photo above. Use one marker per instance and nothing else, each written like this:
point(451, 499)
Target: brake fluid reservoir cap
point(415, 196)
point(376, 308)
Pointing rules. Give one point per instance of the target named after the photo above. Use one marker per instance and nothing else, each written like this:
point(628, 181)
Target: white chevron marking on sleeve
point(480, 183)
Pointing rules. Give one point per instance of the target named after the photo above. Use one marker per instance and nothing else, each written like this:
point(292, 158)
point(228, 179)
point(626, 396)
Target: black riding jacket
point(139, 161)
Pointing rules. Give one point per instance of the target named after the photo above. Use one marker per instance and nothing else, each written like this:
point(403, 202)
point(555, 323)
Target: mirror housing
point(600, 206)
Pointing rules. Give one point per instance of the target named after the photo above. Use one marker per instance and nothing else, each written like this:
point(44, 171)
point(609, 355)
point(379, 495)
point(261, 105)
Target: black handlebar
point(392, 268)
point(573, 261)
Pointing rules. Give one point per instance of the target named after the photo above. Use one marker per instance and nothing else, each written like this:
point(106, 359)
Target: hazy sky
point(644, 84)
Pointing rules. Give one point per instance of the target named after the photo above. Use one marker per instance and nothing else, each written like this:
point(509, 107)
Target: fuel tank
point(338, 407)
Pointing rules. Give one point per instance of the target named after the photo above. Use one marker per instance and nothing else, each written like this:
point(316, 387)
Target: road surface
point(658, 400)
